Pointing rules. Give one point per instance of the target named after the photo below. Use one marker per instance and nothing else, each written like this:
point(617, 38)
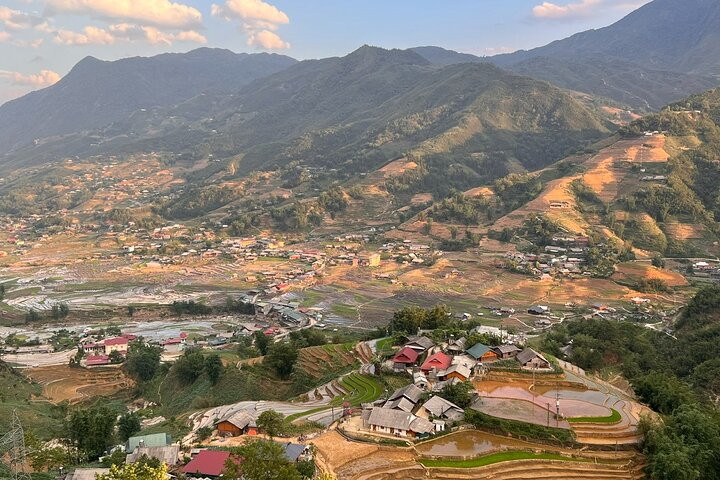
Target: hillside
point(354, 113)
point(673, 35)
point(96, 93)
point(659, 53)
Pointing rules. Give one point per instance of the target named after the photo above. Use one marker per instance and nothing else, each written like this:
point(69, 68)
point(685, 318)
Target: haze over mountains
point(369, 106)
point(95, 92)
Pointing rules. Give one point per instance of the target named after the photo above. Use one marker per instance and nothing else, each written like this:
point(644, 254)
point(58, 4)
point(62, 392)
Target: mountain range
point(372, 105)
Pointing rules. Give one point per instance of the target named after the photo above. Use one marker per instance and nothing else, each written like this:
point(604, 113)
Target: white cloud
point(125, 32)
point(38, 80)
point(17, 20)
point(582, 8)
point(258, 19)
point(89, 36)
point(4, 37)
point(159, 13)
point(267, 40)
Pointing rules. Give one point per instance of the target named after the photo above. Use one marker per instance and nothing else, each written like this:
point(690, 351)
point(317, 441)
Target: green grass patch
point(615, 417)
point(345, 311)
point(497, 458)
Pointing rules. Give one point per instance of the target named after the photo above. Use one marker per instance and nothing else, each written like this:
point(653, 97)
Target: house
point(153, 440)
point(443, 409)
point(456, 346)
point(297, 453)
point(405, 399)
point(96, 360)
point(531, 359)
point(169, 455)
point(407, 357)
point(538, 310)
point(420, 344)
point(420, 380)
point(118, 344)
point(506, 351)
point(482, 353)
point(86, 473)
point(398, 423)
point(370, 260)
point(208, 463)
point(236, 424)
point(460, 372)
point(438, 361)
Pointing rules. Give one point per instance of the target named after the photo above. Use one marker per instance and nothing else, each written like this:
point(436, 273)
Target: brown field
point(685, 231)
point(62, 383)
point(633, 272)
point(398, 167)
point(555, 191)
point(480, 192)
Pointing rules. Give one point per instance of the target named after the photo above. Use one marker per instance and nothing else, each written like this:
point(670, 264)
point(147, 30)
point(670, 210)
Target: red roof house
point(439, 361)
point(406, 356)
point(97, 360)
point(207, 462)
point(116, 341)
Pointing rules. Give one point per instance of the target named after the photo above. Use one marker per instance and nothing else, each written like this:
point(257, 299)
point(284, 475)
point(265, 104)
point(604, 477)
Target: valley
point(387, 264)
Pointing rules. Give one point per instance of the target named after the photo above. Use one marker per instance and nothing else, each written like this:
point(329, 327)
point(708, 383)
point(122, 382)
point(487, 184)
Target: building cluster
point(565, 256)
point(202, 463)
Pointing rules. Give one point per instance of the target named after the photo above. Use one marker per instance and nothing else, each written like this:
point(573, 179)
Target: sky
point(41, 40)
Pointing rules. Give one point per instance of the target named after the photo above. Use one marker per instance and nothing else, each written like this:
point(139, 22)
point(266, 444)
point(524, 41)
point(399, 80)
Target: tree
point(131, 310)
point(2, 292)
point(262, 342)
point(281, 357)
point(271, 422)
point(116, 357)
point(213, 367)
point(142, 361)
point(460, 394)
point(190, 365)
point(43, 457)
point(32, 316)
point(264, 460)
point(128, 425)
point(91, 430)
point(135, 471)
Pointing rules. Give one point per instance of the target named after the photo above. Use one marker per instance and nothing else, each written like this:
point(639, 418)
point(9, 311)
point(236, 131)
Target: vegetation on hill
point(677, 376)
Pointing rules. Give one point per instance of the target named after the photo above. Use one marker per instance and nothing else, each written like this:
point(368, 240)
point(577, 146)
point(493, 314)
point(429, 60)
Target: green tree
point(190, 365)
point(116, 357)
point(213, 367)
point(262, 342)
point(460, 394)
point(2, 292)
point(32, 316)
point(135, 471)
point(281, 357)
point(265, 460)
point(128, 425)
point(271, 422)
point(142, 361)
point(91, 430)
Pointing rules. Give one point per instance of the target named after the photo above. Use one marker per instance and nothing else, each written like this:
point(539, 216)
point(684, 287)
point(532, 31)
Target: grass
point(361, 389)
point(615, 417)
point(346, 311)
point(497, 458)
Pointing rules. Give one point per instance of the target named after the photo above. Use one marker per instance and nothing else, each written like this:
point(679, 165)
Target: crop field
point(361, 389)
point(318, 362)
point(62, 383)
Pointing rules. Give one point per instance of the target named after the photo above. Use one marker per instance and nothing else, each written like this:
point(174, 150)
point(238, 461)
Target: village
point(508, 381)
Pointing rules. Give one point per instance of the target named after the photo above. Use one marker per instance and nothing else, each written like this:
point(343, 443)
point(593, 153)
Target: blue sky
point(40, 40)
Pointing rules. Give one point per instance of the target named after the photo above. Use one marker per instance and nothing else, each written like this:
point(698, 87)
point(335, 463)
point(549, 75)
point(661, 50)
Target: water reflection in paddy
point(469, 443)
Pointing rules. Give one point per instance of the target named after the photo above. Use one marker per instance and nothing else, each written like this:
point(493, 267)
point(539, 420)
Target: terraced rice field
point(318, 362)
